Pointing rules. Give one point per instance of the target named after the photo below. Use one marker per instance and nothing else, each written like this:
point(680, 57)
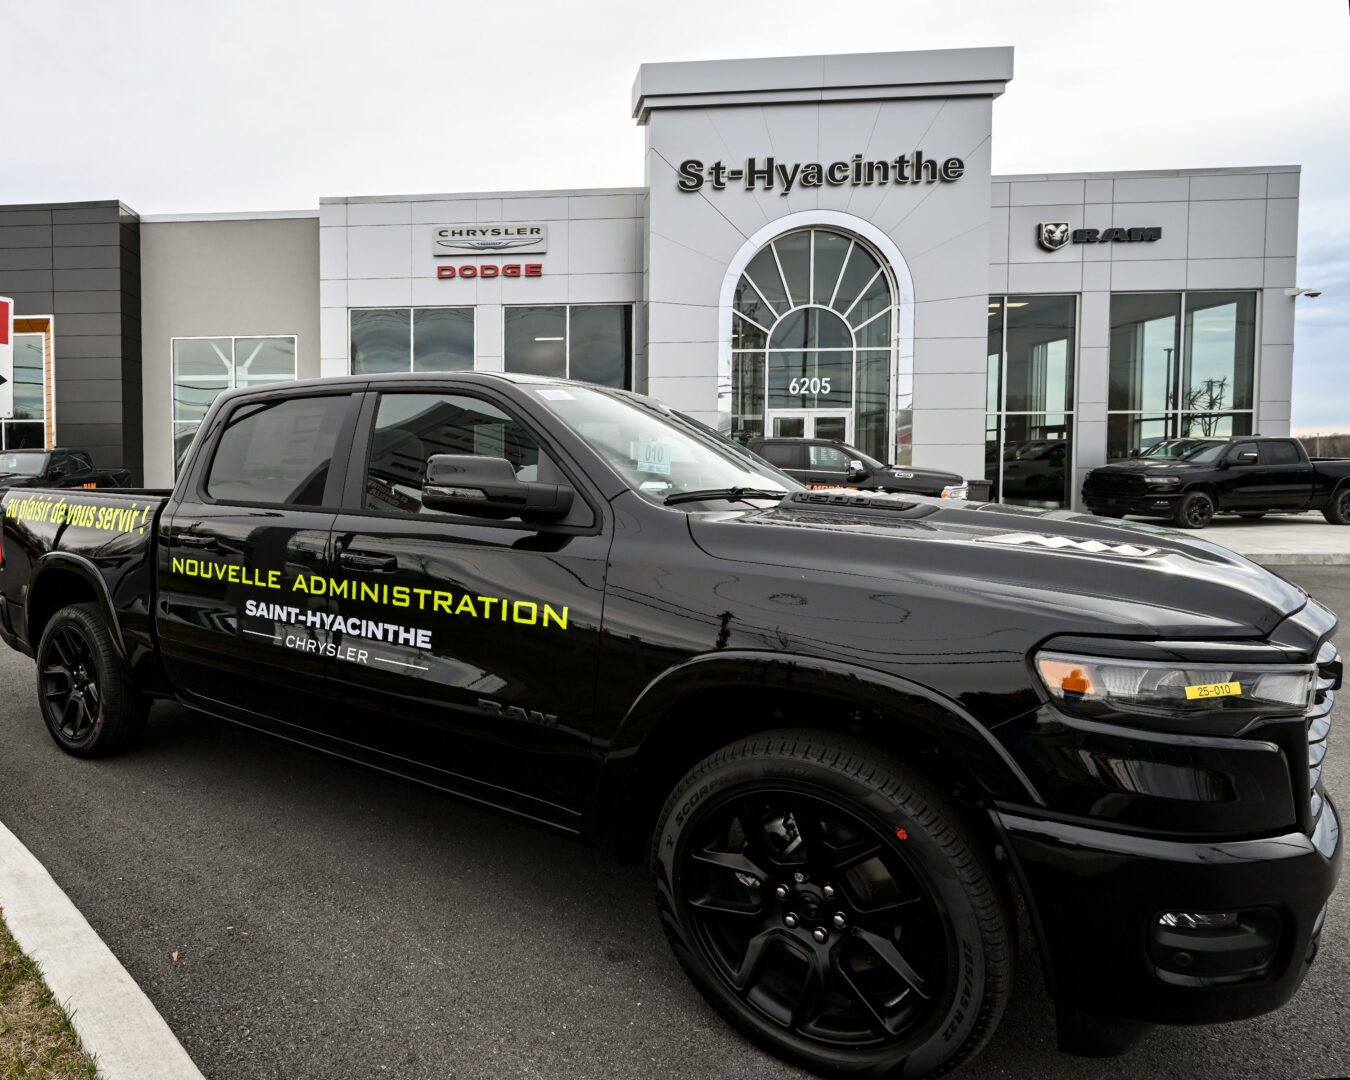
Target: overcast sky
point(187, 106)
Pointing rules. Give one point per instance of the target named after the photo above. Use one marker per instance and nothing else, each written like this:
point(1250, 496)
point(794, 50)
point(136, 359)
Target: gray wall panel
point(73, 258)
point(24, 236)
point(228, 278)
point(88, 279)
point(86, 235)
point(26, 259)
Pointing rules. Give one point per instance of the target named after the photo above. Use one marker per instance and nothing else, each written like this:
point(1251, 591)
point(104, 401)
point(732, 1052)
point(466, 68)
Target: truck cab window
point(277, 452)
point(409, 428)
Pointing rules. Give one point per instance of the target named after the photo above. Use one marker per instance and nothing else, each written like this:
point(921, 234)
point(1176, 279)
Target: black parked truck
point(1191, 480)
point(62, 467)
point(848, 729)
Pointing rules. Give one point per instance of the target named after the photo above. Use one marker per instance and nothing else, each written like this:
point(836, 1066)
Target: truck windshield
point(658, 452)
point(22, 463)
point(1200, 451)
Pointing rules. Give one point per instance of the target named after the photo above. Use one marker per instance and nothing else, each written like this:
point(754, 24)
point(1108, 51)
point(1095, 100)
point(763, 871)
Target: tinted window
point(409, 428)
point(828, 457)
point(1279, 453)
point(783, 454)
point(81, 462)
point(277, 451)
point(1243, 448)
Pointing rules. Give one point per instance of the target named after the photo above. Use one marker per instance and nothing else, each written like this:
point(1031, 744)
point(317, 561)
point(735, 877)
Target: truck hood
point(1128, 579)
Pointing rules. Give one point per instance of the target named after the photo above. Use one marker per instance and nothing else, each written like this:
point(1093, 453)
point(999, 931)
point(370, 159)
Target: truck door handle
point(197, 540)
point(377, 564)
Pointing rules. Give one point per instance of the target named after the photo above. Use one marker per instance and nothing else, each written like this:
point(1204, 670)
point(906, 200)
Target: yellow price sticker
point(1209, 690)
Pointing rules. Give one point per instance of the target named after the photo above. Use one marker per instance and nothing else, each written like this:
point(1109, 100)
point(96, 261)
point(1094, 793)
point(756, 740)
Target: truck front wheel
point(88, 702)
point(1195, 510)
point(1338, 510)
point(833, 907)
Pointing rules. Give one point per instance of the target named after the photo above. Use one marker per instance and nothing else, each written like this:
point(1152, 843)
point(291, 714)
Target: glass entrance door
point(810, 424)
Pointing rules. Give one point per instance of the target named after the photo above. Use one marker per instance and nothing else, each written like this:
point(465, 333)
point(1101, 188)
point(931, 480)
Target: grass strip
point(37, 1041)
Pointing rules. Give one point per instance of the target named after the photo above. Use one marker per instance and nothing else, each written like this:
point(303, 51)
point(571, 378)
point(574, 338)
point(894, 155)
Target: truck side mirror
point(56, 472)
point(487, 487)
point(1134, 452)
point(856, 471)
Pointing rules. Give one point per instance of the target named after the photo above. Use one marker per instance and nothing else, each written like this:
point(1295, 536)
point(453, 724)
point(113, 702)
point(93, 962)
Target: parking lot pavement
point(331, 922)
point(1277, 539)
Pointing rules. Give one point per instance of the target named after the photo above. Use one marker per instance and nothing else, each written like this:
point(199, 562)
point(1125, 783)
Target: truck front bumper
point(1150, 503)
point(1114, 915)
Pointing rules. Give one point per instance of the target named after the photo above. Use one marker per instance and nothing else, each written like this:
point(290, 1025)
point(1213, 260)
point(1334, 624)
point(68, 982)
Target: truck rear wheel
point(833, 907)
point(1338, 510)
point(87, 699)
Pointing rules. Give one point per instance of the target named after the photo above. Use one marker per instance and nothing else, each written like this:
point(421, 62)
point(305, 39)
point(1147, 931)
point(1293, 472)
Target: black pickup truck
point(848, 729)
point(60, 467)
point(1191, 480)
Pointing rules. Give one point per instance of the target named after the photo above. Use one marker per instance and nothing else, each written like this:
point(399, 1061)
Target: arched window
point(812, 341)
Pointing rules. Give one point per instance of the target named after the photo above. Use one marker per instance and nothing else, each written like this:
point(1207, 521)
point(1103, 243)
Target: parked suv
point(829, 463)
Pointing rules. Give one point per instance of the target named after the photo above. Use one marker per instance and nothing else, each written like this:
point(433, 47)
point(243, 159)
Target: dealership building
point(820, 248)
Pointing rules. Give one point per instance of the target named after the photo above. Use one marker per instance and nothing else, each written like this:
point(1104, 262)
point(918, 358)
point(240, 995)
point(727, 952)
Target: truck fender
point(908, 708)
point(64, 562)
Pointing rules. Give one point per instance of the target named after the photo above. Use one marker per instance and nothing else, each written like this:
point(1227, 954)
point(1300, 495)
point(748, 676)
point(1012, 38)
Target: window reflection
point(1029, 399)
point(590, 342)
point(1181, 363)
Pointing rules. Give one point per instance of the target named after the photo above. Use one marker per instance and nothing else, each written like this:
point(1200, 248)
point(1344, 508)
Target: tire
point(1195, 511)
point(87, 699)
point(1338, 510)
point(1252, 515)
point(810, 969)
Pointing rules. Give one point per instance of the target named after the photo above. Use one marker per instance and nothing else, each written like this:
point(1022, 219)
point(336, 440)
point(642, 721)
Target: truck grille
point(1319, 726)
point(1113, 484)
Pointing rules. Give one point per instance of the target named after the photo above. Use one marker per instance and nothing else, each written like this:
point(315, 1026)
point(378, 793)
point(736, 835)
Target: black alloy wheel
point(70, 691)
point(1338, 510)
point(831, 908)
point(1195, 511)
point(88, 702)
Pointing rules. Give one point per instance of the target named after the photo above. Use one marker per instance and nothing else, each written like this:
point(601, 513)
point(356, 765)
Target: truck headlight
point(1163, 481)
point(956, 491)
point(1092, 686)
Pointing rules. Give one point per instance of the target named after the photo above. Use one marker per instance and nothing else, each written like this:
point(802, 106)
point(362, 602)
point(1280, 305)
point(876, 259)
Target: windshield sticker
point(553, 393)
point(654, 458)
point(49, 510)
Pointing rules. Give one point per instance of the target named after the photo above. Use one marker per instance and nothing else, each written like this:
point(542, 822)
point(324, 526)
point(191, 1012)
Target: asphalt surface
point(331, 922)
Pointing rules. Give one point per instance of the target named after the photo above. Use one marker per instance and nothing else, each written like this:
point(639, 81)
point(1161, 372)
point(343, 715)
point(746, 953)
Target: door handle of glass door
point(355, 560)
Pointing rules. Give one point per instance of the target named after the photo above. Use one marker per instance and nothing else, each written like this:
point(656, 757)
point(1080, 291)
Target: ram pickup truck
point(1191, 480)
point(60, 467)
point(828, 463)
point(848, 729)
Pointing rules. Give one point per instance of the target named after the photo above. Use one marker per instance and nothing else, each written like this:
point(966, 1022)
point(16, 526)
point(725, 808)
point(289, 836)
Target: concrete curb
point(118, 1026)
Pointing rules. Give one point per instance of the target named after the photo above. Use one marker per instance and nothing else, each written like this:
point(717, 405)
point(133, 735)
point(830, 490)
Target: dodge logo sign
point(1052, 235)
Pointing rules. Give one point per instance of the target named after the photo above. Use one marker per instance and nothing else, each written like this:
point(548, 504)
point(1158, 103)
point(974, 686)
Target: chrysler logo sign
point(488, 238)
point(1053, 235)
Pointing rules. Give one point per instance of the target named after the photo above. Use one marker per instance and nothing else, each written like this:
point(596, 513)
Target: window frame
point(412, 310)
point(1175, 417)
point(219, 418)
point(362, 435)
point(1069, 412)
point(173, 382)
point(567, 337)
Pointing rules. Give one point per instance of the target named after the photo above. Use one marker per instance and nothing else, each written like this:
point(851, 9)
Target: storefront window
point(1181, 364)
point(1029, 399)
point(812, 323)
point(26, 429)
point(590, 342)
point(203, 367)
point(411, 339)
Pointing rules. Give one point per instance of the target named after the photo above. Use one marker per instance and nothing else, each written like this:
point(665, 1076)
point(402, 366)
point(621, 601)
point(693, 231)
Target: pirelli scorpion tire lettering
point(90, 706)
point(833, 906)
